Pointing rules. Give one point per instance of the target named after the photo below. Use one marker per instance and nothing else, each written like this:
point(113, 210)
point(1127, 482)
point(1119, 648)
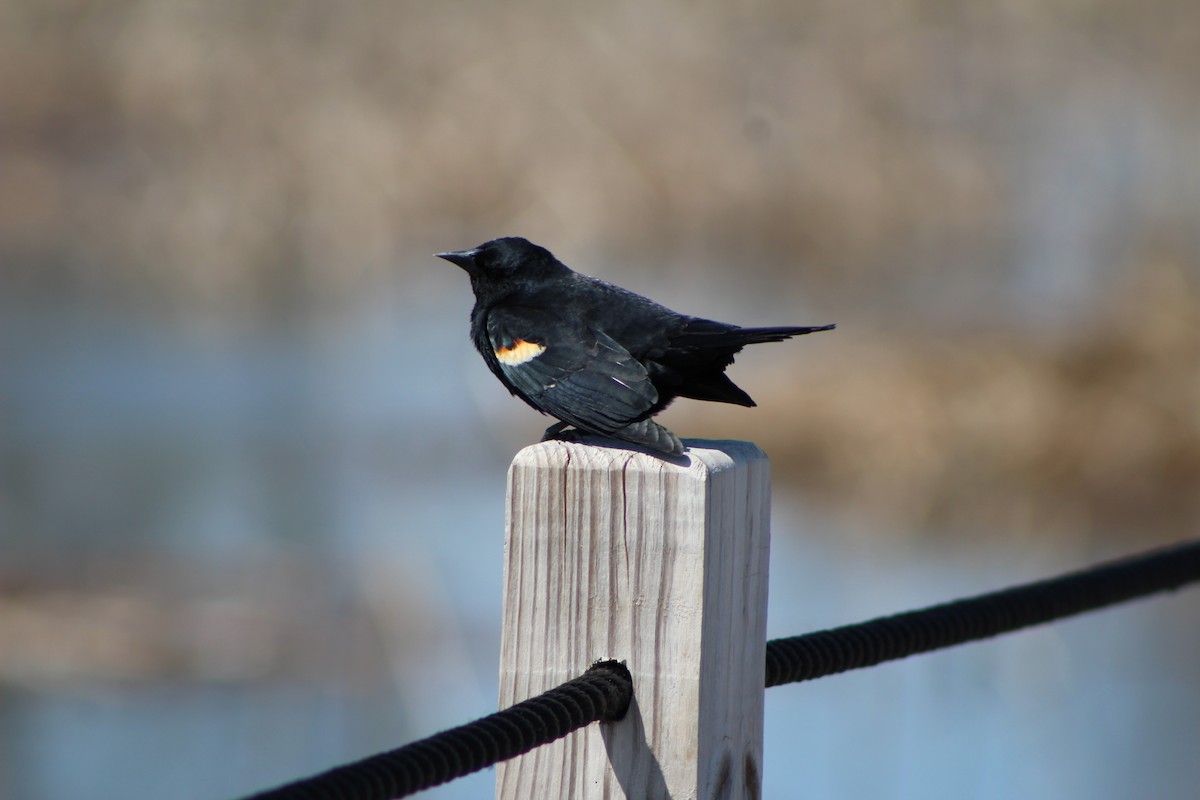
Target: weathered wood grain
point(616, 554)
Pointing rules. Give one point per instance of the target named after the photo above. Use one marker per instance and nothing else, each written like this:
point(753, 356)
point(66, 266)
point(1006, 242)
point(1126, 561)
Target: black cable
point(814, 655)
point(605, 691)
point(602, 693)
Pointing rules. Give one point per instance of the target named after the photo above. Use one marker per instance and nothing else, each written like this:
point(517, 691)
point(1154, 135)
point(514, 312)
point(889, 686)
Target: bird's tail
point(709, 335)
point(704, 348)
point(757, 335)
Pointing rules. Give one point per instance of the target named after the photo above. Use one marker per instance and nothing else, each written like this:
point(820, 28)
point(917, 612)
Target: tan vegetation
point(884, 161)
point(1098, 435)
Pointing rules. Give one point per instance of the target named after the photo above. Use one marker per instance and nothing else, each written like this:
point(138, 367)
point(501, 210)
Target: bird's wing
point(570, 370)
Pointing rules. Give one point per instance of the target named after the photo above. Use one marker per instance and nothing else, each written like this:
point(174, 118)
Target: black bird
point(596, 356)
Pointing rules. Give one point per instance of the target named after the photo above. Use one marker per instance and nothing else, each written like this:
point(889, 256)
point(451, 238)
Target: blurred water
point(368, 445)
point(1104, 705)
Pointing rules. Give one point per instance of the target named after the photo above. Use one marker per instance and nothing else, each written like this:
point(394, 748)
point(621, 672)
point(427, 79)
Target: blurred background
point(252, 472)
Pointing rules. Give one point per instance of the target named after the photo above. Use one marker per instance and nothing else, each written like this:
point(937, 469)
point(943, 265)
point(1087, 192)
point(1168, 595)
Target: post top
point(594, 452)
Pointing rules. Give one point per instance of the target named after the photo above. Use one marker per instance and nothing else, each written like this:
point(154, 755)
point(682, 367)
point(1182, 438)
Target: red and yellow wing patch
point(519, 352)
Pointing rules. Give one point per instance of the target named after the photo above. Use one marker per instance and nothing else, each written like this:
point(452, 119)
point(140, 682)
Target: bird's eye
point(497, 263)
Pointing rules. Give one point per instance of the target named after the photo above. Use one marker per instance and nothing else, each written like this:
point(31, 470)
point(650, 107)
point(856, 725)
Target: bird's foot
point(555, 432)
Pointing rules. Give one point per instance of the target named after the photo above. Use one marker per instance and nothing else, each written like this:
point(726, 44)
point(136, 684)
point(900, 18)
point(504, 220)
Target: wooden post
point(616, 554)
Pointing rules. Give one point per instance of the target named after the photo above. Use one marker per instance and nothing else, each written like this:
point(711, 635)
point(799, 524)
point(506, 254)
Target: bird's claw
point(554, 430)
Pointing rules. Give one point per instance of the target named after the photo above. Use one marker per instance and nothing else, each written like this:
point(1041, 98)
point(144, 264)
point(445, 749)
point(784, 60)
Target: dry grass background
point(999, 204)
point(907, 169)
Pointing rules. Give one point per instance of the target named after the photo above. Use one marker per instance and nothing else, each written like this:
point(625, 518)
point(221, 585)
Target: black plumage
point(596, 356)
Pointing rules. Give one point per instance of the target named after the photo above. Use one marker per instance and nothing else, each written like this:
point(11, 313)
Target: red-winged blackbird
point(596, 356)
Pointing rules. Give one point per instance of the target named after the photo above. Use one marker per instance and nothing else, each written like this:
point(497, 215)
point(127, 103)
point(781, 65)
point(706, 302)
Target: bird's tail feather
point(703, 333)
point(756, 335)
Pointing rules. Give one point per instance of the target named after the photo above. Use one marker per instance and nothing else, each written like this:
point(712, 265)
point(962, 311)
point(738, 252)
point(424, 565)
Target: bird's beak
point(463, 258)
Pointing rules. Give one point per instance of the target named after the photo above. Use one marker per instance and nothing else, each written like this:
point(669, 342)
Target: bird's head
point(501, 265)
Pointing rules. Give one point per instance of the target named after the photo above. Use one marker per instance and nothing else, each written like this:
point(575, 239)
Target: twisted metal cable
point(603, 693)
point(828, 652)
